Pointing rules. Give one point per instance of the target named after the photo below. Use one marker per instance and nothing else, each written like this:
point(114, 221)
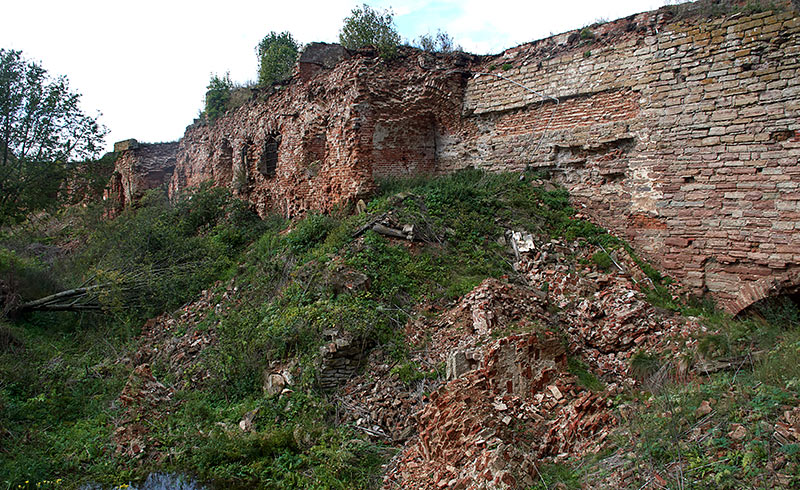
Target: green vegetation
point(716, 429)
point(43, 134)
point(602, 260)
point(60, 376)
point(441, 42)
point(218, 94)
point(718, 8)
point(277, 54)
point(367, 27)
point(277, 287)
point(559, 476)
point(411, 372)
point(585, 377)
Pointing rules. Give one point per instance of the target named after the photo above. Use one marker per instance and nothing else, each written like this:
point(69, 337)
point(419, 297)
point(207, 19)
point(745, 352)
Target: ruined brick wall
point(323, 138)
point(140, 167)
point(682, 137)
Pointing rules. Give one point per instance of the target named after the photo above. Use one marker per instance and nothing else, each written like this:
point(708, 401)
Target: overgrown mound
point(465, 331)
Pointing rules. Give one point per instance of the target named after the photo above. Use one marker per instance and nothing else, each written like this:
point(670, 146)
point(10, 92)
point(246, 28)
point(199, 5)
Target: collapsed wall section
point(139, 167)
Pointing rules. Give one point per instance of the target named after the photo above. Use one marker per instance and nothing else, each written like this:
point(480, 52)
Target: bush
point(217, 96)
point(441, 42)
point(23, 279)
point(309, 232)
point(368, 27)
point(276, 56)
point(602, 260)
point(159, 255)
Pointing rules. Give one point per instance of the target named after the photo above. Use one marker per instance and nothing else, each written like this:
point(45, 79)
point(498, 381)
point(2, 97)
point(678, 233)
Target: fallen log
point(391, 232)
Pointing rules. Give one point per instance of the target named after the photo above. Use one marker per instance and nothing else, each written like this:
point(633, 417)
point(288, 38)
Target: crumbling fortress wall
point(323, 138)
point(138, 168)
point(683, 136)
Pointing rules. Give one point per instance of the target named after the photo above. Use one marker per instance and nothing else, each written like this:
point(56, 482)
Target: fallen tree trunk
point(77, 299)
point(391, 232)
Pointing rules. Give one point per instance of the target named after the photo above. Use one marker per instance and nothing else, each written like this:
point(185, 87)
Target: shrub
point(276, 56)
point(309, 232)
point(602, 260)
point(367, 27)
point(218, 94)
point(441, 42)
point(159, 255)
point(23, 279)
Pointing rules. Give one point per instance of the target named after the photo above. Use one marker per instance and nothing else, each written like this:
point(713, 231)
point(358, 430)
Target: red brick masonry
point(683, 137)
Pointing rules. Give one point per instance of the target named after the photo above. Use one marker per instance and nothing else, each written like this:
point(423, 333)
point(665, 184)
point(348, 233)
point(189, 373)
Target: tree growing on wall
point(368, 27)
point(277, 54)
point(218, 93)
point(41, 129)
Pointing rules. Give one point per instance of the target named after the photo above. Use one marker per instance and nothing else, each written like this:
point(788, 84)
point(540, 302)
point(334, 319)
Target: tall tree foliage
point(276, 56)
point(41, 129)
point(368, 27)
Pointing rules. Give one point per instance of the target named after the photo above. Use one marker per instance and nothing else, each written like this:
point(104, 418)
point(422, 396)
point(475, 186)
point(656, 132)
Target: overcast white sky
point(145, 64)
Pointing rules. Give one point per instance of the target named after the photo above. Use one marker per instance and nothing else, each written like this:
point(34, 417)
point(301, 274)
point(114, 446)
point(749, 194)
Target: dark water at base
point(156, 481)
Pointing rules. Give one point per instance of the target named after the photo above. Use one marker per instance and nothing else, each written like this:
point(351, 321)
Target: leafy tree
point(217, 96)
point(441, 42)
point(276, 56)
point(368, 27)
point(41, 129)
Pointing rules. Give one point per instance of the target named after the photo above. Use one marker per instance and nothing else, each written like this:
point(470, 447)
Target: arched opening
point(775, 299)
point(223, 171)
point(780, 309)
point(404, 146)
point(268, 163)
point(241, 169)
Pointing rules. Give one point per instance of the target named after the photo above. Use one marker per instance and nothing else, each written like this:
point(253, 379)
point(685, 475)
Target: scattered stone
point(704, 409)
point(246, 424)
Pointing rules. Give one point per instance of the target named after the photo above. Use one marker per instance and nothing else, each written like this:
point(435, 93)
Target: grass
point(60, 379)
point(559, 476)
point(734, 444)
point(705, 9)
point(57, 421)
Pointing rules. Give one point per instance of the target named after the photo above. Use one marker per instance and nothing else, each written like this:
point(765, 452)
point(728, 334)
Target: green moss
point(585, 377)
point(602, 260)
point(411, 372)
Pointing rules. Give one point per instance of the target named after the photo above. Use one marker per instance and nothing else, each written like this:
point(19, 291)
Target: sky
point(144, 66)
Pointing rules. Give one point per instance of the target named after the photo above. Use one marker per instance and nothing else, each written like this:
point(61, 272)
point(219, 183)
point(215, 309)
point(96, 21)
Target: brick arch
point(786, 283)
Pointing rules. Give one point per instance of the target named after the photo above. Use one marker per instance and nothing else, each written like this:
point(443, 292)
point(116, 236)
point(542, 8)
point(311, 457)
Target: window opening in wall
point(269, 155)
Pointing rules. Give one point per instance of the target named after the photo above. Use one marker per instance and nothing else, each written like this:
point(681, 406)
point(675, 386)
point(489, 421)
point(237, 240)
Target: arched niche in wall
point(117, 192)
point(314, 143)
point(242, 166)
point(268, 161)
point(223, 171)
point(771, 295)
